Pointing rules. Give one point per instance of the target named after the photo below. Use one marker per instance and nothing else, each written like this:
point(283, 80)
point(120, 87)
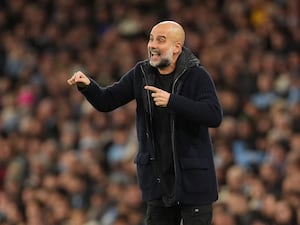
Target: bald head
point(174, 30)
point(165, 45)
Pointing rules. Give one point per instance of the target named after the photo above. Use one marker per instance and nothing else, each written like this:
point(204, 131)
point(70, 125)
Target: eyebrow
point(159, 36)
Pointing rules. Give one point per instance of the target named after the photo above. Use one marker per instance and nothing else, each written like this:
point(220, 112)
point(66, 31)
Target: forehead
point(161, 30)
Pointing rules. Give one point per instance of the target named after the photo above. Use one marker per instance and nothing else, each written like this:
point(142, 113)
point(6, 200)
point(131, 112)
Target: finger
point(71, 81)
point(74, 79)
point(158, 100)
point(155, 94)
point(152, 88)
point(159, 103)
point(78, 76)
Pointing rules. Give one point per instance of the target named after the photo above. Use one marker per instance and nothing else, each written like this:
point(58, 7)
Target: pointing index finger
point(151, 88)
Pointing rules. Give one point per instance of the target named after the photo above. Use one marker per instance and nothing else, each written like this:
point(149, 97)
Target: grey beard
point(163, 64)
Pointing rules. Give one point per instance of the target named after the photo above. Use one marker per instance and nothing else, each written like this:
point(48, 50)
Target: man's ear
point(178, 48)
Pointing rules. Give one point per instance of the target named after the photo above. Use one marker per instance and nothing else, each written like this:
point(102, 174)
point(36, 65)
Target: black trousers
point(174, 215)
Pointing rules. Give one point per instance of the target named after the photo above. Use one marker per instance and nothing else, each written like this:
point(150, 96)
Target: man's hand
point(160, 97)
point(80, 79)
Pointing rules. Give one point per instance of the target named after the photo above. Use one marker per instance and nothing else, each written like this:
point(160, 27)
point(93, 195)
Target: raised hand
point(80, 79)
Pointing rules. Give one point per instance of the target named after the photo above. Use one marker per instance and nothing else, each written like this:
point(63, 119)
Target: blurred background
point(63, 163)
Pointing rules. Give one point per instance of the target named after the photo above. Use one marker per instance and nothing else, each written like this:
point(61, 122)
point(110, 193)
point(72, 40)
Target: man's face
point(160, 47)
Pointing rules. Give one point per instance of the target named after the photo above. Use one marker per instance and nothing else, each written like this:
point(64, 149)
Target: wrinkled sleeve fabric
point(108, 98)
point(204, 106)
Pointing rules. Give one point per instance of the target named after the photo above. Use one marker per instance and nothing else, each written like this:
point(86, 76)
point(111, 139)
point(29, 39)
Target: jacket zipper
point(172, 126)
point(173, 130)
point(150, 112)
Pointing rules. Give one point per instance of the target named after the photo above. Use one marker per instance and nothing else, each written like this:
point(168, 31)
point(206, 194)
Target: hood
point(186, 60)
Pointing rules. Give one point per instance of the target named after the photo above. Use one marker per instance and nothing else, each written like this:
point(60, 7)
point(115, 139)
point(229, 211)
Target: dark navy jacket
point(195, 107)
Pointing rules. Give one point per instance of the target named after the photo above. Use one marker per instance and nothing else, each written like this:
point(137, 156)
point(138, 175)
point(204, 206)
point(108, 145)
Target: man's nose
point(152, 44)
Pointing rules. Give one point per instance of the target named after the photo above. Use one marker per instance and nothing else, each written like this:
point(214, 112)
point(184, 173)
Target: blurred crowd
point(63, 163)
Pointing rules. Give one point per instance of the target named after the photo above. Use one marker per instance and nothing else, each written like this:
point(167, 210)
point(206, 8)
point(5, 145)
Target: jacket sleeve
point(203, 106)
point(108, 98)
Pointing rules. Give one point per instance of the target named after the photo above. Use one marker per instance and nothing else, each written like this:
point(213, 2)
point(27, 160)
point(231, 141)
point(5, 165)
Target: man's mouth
point(154, 53)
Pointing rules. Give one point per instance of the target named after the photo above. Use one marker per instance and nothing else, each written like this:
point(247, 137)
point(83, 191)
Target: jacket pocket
point(196, 174)
point(145, 174)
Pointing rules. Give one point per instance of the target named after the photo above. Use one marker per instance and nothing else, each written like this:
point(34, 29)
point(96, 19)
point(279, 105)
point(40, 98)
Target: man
point(176, 104)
